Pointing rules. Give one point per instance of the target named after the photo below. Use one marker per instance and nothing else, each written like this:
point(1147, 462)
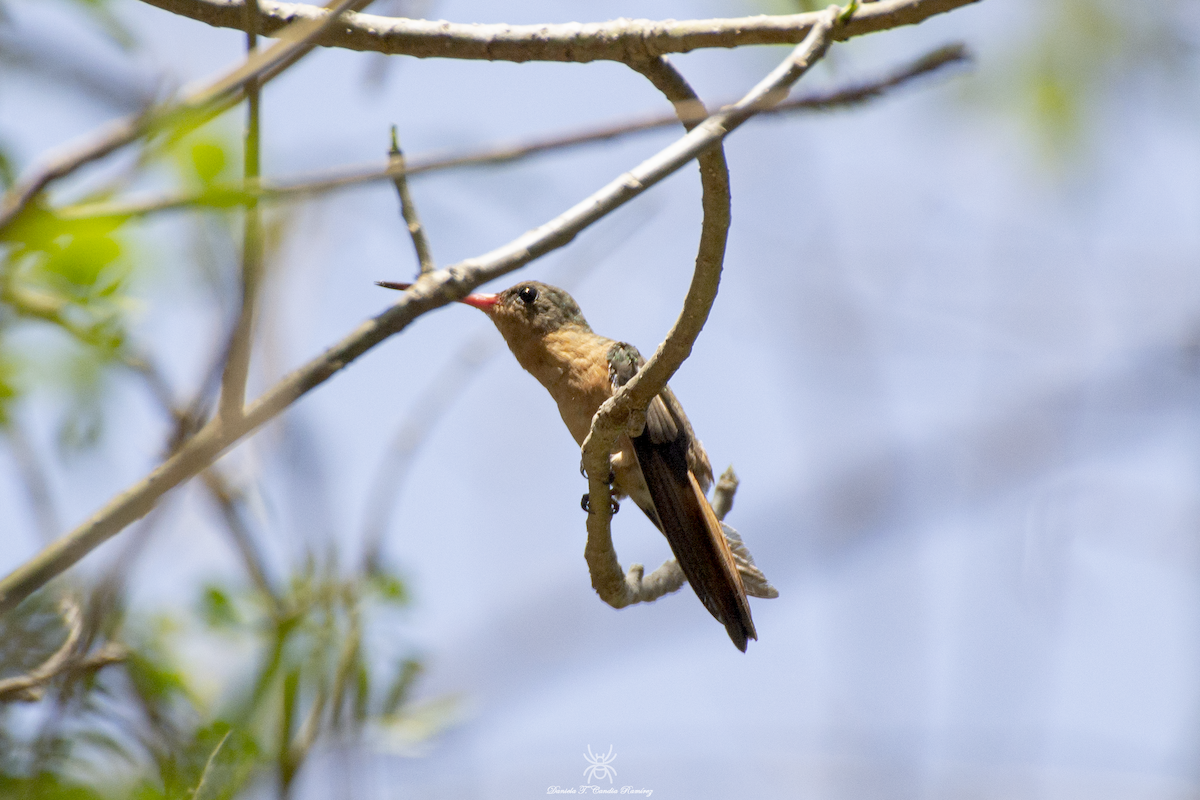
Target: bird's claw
point(585, 503)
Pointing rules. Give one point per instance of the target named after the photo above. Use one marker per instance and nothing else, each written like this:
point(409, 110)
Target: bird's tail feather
point(697, 540)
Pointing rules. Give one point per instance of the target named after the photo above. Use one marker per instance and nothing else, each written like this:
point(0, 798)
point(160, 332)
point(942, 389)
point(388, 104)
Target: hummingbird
point(664, 469)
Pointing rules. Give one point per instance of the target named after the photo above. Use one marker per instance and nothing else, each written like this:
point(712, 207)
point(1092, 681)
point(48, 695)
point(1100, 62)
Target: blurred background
point(955, 361)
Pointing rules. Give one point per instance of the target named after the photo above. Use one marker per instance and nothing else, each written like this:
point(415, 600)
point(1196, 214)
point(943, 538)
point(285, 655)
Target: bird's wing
point(684, 514)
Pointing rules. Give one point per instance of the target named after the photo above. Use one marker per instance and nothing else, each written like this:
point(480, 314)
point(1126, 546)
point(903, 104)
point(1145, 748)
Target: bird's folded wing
point(683, 513)
point(695, 535)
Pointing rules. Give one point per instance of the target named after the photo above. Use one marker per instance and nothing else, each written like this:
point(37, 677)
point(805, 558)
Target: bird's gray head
point(530, 308)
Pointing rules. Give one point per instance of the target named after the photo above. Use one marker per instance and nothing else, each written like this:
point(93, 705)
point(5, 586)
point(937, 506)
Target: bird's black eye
point(528, 295)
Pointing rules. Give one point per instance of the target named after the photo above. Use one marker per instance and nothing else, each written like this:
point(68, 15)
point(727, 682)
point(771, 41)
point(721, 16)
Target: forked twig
point(408, 209)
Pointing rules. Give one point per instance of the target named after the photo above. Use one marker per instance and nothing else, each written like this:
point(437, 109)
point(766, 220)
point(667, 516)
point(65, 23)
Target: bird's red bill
point(480, 301)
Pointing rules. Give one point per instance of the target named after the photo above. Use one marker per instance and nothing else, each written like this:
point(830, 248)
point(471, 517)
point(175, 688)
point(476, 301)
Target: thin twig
point(623, 40)
point(431, 291)
point(222, 197)
point(408, 209)
point(253, 560)
point(296, 753)
point(33, 475)
point(294, 42)
point(198, 792)
point(727, 485)
point(218, 485)
point(237, 359)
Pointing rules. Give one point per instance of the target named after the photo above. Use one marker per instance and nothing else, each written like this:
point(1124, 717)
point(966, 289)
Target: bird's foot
point(585, 503)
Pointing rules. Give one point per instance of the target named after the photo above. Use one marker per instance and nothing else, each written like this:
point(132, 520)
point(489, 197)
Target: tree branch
point(431, 291)
point(624, 40)
point(232, 194)
point(615, 414)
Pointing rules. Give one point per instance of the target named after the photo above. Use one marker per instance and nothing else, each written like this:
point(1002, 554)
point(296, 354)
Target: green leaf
point(231, 756)
point(410, 669)
point(8, 174)
point(82, 261)
point(45, 786)
point(9, 387)
point(388, 586)
point(218, 609)
point(362, 691)
point(208, 159)
point(154, 680)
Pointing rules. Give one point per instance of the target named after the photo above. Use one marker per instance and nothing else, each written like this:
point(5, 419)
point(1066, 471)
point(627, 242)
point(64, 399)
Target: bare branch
point(233, 194)
point(294, 42)
point(622, 40)
point(408, 209)
point(431, 291)
point(223, 494)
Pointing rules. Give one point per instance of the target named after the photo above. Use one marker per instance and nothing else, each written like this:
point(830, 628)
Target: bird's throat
point(572, 363)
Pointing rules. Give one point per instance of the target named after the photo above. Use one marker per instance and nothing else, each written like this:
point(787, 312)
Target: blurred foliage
point(1066, 60)
point(71, 276)
point(1060, 77)
point(141, 729)
point(295, 669)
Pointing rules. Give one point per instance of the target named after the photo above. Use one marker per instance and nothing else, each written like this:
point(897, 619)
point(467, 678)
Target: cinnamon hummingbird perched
point(664, 469)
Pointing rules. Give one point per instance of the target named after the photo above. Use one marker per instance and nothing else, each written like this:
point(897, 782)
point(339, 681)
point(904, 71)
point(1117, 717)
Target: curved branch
point(617, 413)
point(625, 40)
point(614, 585)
